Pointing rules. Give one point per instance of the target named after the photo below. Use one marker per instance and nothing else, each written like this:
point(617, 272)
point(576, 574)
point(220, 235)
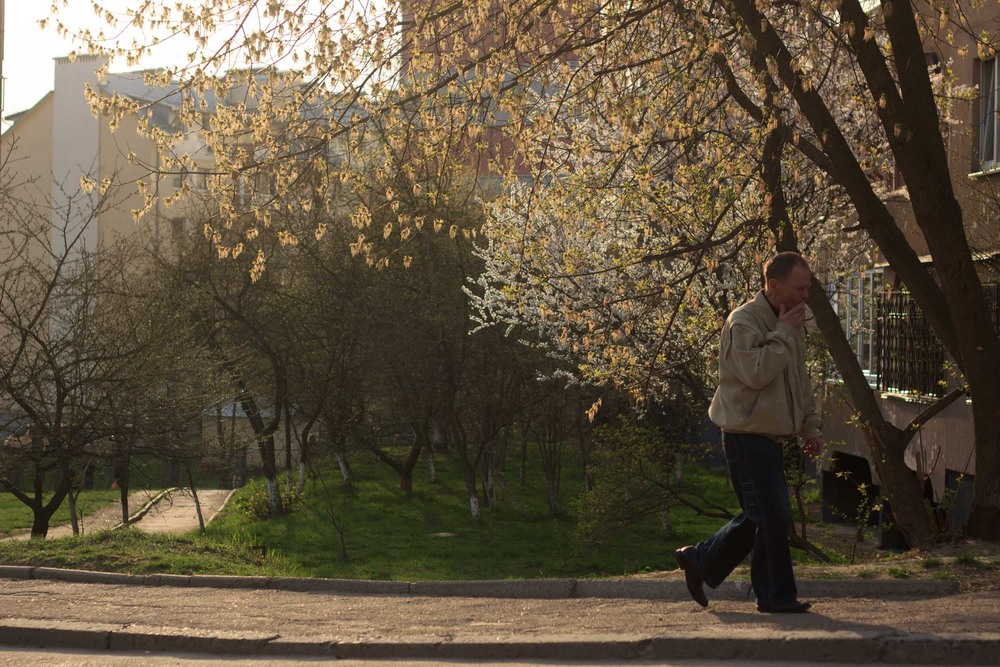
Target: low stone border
point(145, 509)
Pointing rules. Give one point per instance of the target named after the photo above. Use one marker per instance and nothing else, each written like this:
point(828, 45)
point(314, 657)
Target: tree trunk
point(304, 447)
point(270, 474)
point(40, 524)
point(522, 467)
point(409, 463)
point(886, 442)
point(122, 468)
point(468, 473)
point(42, 514)
point(431, 469)
point(197, 504)
point(273, 495)
point(550, 439)
point(288, 447)
point(74, 520)
point(984, 521)
point(489, 480)
point(265, 444)
point(345, 470)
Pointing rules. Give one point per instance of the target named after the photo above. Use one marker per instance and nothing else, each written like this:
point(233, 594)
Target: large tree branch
point(827, 320)
point(873, 214)
point(930, 411)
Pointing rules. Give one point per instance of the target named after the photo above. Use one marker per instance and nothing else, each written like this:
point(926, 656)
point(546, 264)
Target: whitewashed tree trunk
point(431, 468)
point(490, 490)
point(273, 493)
point(345, 472)
point(74, 520)
point(302, 477)
point(474, 507)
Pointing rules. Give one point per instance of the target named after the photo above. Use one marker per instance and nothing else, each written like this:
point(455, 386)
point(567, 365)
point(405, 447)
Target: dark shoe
point(789, 608)
point(693, 579)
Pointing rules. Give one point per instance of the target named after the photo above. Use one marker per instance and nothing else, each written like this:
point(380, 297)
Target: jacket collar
point(766, 310)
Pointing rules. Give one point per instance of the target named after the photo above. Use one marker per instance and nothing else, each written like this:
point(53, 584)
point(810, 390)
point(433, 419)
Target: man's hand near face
point(794, 317)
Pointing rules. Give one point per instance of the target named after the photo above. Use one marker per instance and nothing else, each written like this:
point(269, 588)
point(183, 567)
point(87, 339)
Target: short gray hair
point(779, 266)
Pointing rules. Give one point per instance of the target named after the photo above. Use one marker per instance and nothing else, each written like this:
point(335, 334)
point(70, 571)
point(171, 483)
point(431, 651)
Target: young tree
point(168, 387)
point(243, 322)
point(80, 363)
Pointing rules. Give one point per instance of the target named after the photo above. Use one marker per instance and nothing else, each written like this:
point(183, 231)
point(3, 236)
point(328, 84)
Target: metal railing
point(909, 358)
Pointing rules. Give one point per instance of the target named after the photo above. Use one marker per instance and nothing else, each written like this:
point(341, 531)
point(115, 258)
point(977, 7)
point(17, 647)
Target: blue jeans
point(756, 469)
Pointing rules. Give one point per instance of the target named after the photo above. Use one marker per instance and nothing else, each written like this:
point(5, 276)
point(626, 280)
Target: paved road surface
point(271, 622)
point(35, 657)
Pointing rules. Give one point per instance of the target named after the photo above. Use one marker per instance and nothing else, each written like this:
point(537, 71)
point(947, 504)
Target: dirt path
point(174, 512)
point(104, 518)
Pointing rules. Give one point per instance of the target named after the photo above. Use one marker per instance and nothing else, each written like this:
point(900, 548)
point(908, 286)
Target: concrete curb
point(145, 509)
point(817, 646)
point(549, 589)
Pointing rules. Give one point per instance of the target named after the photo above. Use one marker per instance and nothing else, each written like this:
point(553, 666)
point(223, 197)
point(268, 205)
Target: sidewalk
point(862, 621)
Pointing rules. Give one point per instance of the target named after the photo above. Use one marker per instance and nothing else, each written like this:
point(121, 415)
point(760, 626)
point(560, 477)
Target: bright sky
point(28, 53)
point(29, 50)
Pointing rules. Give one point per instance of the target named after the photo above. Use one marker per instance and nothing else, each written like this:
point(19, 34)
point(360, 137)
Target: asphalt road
point(34, 657)
point(285, 619)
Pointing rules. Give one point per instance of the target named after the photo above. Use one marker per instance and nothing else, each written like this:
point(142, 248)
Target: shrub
point(252, 501)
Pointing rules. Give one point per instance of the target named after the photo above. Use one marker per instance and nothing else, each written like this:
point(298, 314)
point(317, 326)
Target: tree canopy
point(629, 141)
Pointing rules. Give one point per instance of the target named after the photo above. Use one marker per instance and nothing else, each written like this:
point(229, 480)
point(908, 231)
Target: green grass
point(898, 572)
point(931, 563)
point(388, 535)
point(431, 535)
point(139, 553)
point(970, 560)
point(15, 515)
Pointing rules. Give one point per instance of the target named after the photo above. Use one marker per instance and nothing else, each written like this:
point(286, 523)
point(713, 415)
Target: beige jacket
point(763, 385)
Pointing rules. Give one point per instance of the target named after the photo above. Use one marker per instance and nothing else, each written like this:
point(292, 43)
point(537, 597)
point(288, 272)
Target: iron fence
point(909, 356)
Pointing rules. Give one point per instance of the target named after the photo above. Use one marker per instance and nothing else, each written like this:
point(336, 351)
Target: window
point(987, 113)
point(263, 182)
point(870, 285)
point(198, 181)
point(181, 230)
point(854, 298)
point(180, 177)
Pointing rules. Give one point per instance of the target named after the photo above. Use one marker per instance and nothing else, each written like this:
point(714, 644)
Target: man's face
point(793, 289)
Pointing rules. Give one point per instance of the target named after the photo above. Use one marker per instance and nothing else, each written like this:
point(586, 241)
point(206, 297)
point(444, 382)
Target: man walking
point(764, 398)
